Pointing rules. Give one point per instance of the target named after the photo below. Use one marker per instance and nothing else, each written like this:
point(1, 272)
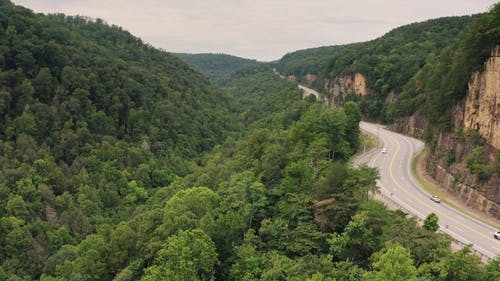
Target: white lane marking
point(463, 240)
point(458, 237)
point(459, 229)
point(413, 149)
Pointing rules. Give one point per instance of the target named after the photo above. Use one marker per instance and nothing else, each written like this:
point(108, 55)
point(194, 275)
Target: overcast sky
point(259, 29)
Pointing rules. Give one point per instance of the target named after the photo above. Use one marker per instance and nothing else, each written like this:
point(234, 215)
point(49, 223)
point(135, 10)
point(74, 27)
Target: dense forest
point(309, 61)
point(419, 69)
point(442, 81)
point(388, 62)
point(119, 162)
point(217, 67)
point(421, 63)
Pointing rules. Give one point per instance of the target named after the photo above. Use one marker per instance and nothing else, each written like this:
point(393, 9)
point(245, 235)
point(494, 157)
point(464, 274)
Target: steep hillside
point(118, 162)
point(455, 104)
point(54, 64)
point(308, 66)
point(436, 80)
point(260, 93)
point(217, 67)
point(383, 66)
point(92, 121)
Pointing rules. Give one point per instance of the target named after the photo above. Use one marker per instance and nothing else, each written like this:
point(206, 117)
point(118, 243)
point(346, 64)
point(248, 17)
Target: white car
point(497, 235)
point(384, 150)
point(435, 199)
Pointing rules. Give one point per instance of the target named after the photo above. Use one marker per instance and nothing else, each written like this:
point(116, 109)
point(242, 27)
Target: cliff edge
point(465, 160)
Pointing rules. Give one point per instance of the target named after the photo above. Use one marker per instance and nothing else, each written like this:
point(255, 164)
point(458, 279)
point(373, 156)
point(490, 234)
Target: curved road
point(397, 183)
point(308, 91)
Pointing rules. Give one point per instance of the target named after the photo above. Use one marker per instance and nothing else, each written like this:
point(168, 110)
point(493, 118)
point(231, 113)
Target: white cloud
point(261, 29)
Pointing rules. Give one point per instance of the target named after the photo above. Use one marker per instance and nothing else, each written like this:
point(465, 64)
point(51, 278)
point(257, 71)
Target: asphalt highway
point(393, 158)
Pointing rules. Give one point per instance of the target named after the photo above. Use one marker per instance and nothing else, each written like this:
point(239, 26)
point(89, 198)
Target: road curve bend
point(393, 160)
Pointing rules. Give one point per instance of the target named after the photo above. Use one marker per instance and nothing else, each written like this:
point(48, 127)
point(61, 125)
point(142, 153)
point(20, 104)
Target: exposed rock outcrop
point(482, 104)
point(446, 164)
point(479, 111)
point(311, 78)
point(339, 87)
point(413, 126)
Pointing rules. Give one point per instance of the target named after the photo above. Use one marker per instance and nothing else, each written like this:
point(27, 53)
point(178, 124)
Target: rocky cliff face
point(479, 113)
point(351, 84)
point(337, 88)
point(311, 78)
point(446, 164)
point(413, 126)
point(482, 104)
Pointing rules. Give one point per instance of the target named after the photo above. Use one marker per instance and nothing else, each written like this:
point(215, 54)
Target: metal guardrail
point(459, 243)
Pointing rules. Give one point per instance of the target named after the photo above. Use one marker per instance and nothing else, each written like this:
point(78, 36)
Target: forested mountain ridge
point(92, 120)
point(387, 63)
point(459, 118)
point(314, 61)
point(416, 78)
point(217, 67)
point(64, 62)
point(115, 165)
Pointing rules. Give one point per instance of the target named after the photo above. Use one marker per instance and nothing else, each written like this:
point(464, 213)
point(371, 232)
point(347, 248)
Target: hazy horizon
point(259, 29)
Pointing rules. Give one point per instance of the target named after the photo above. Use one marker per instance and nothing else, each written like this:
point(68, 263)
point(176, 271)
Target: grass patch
point(429, 187)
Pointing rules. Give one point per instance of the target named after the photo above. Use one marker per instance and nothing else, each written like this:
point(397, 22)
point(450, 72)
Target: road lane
point(308, 91)
point(397, 183)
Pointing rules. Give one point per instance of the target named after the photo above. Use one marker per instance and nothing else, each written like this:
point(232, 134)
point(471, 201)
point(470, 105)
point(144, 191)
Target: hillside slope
point(217, 67)
point(453, 103)
point(437, 80)
point(92, 121)
point(115, 165)
point(308, 66)
point(376, 71)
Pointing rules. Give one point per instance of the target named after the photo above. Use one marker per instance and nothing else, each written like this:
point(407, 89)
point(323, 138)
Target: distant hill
point(391, 60)
point(307, 61)
point(215, 66)
point(387, 63)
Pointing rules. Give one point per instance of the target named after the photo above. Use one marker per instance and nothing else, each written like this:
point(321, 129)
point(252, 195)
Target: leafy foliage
point(389, 63)
point(442, 81)
point(118, 162)
point(308, 61)
point(217, 67)
point(431, 222)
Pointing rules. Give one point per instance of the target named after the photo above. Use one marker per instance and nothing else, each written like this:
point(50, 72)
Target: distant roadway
point(308, 91)
point(397, 183)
